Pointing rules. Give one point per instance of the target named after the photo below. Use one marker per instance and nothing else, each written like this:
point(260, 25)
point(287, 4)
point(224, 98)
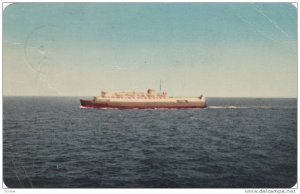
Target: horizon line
point(170, 96)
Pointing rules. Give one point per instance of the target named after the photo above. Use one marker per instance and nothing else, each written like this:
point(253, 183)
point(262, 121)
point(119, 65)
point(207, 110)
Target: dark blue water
point(235, 142)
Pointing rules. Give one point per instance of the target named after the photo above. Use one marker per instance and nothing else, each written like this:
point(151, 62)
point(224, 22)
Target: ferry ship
point(140, 100)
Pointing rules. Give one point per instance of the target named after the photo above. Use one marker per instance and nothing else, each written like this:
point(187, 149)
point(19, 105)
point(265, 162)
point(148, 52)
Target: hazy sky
point(220, 49)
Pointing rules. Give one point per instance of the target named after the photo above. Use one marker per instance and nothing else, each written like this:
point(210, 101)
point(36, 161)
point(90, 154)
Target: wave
point(226, 107)
point(209, 107)
point(251, 107)
point(104, 108)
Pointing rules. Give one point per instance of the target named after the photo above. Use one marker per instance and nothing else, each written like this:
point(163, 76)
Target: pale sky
point(216, 49)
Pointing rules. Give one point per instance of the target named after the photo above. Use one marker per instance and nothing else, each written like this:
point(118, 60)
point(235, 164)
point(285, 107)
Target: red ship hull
point(139, 105)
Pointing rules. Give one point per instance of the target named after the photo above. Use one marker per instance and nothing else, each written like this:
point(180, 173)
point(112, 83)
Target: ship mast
point(160, 86)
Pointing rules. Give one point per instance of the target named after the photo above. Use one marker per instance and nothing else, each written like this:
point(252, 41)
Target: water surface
point(49, 142)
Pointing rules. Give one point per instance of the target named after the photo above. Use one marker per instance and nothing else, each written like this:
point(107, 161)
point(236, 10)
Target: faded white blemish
point(17, 43)
point(5, 5)
point(254, 27)
point(271, 21)
point(40, 55)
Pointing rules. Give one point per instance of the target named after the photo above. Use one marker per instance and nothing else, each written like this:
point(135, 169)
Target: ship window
point(182, 101)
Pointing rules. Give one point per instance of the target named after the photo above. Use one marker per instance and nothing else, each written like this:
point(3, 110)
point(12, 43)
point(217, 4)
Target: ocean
point(49, 142)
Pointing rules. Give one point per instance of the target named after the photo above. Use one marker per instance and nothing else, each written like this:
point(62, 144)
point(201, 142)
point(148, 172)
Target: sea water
point(49, 142)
